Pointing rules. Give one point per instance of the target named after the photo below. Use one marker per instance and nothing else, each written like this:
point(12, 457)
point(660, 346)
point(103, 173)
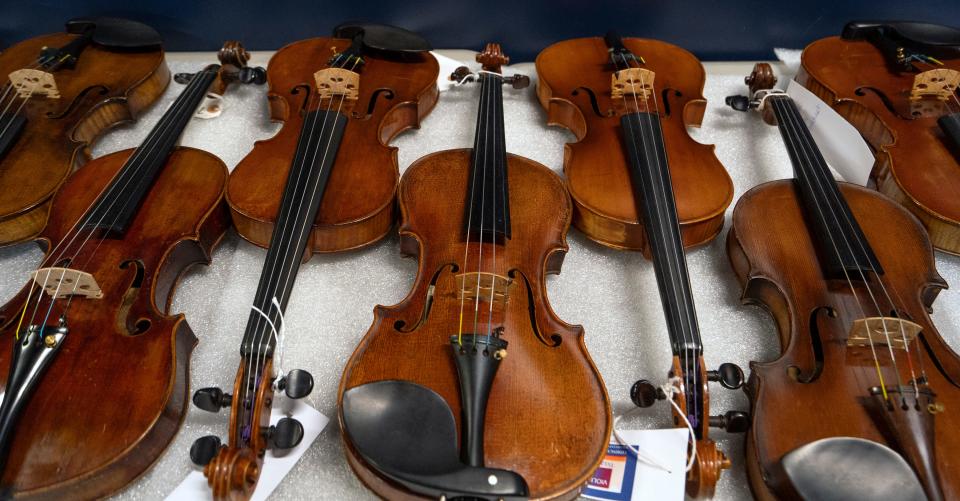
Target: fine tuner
point(463, 74)
point(644, 394)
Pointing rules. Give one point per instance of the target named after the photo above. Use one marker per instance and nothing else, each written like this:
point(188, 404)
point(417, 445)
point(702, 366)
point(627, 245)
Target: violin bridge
point(64, 282)
point(34, 83)
point(883, 331)
point(490, 287)
point(632, 82)
point(938, 84)
point(337, 82)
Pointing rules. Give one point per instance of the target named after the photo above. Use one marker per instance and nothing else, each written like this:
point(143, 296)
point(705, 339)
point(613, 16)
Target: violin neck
point(117, 206)
point(653, 191)
point(317, 147)
point(488, 209)
point(841, 245)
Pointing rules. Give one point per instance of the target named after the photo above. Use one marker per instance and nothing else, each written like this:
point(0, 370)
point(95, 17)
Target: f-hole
point(76, 102)
point(555, 338)
point(817, 345)
point(862, 91)
point(401, 326)
point(141, 325)
point(665, 99)
point(306, 96)
point(372, 104)
point(593, 101)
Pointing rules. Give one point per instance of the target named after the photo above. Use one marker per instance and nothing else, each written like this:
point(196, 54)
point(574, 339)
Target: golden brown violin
point(864, 383)
point(62, 91)
point(326, 182)
point(95, 368)
point(897, 84)
point(640, 182)
point(471, 386)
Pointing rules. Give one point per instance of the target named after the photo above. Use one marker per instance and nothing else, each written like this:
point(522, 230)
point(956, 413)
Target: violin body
point(105, 89)
point(549, 415)
point(802, 397)
point(116, 391)
point(358, 205)
point(914, 162)
point(573, 74)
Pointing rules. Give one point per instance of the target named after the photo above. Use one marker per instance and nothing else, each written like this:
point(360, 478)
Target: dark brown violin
point(475, 351)
point(326, 182)
point(897, 83)
point(864, 385)
point(62, 91)
point(95, 370)
point(640, 182)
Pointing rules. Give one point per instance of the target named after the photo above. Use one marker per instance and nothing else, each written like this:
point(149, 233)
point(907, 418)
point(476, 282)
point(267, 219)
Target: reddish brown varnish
point(914, 164)
point(358, 206)
point(105, 89)
point(596, 165)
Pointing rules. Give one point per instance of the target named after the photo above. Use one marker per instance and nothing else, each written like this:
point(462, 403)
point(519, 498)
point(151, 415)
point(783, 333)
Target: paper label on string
point(621, 477)
point(840, 142)
point(275, 468)
point(211, 107)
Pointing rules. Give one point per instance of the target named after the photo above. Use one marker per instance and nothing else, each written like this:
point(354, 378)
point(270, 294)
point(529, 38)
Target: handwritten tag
point(841, 144)
point(275, 468)
point(621, 477)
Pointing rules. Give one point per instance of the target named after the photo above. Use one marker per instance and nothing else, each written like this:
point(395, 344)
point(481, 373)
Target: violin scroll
point(492, 57)
point(761, 78)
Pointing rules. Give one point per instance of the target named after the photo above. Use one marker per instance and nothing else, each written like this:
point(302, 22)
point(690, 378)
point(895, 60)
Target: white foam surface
point(613, 294)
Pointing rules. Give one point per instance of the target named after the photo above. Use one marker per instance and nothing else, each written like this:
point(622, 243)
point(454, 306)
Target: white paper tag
point(841, 144)
point(211, 107)
point(275, 468)
point(621, 477)
point(447, 66)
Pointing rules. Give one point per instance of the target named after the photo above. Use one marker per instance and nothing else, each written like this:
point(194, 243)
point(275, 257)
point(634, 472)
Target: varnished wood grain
point(775, 260)
point(549, 415)
point(914, 163)
point(111, 402)
point(105, 89)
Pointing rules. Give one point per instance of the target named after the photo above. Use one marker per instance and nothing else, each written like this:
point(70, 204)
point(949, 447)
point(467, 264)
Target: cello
point(326, 182)
point(475, 349)
point(897, 83)
point(640, 182)
point(63, 91)
point(95, 368)
point(864, 385)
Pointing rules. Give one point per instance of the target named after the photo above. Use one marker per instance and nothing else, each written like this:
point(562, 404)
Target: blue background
point(712, 29)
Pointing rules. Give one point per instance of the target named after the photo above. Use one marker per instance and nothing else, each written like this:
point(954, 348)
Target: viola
point(640, 182)
point(897, 84)
point(95, 369)
point(63, 91)
point(864, 383)
point(475, 350)
point(325, 182)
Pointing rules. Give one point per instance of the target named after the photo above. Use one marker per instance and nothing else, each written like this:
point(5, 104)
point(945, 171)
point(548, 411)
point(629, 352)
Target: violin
point(326, 182)
point(63, 91)
point(475, 350)
point(640, 182)
point(897, 84)
point(864, 383)
point(95, 368)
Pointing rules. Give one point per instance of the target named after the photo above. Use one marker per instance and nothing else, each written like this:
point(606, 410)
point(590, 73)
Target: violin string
point(486, 89)
point(8, 88)
point(466, 248)
point(863, 248)
point(794, 126)
point(497, 89)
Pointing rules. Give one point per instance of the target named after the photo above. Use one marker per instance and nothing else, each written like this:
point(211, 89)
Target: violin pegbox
point(492, 58)
point(233, 68)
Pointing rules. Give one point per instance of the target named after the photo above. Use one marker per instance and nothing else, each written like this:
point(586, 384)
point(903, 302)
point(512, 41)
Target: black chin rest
point(408, 433)
point(844, 468)
point(116, 33)
point(932, 39)
point(384, 37)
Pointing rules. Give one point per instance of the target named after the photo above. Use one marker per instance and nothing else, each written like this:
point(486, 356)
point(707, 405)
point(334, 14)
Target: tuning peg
point(739, 103)
point(183, 78)
point(730, 376)
point(732, 421)
point(252, 75)
point(211, 399)
point(286, 434)
point(460, 73)
point(517, 81)
point(296, 384)
point(204, 449)
point(644, 393)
